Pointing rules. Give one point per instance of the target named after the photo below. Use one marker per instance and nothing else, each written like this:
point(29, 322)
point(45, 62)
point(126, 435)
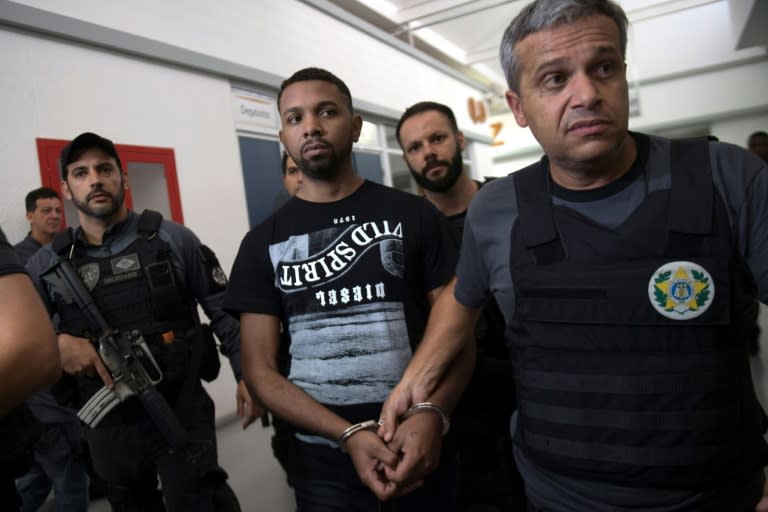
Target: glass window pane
point(391, 139)
point(369, 135)
point(401, 175)
point(149, 189)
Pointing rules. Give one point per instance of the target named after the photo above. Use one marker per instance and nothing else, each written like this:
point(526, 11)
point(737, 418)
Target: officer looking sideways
point(626, 266)
point(145, 274)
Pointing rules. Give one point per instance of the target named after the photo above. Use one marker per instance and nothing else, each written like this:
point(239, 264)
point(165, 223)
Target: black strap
point(536, 215)
point(149, 223)
point(690, 209)
point(63, 241)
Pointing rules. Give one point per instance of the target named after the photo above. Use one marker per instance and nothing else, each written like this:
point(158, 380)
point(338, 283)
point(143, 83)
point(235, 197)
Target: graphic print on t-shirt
point(343, 292)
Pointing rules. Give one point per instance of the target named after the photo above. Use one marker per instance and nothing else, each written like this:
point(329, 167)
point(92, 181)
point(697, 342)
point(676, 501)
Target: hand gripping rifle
point(126, 355)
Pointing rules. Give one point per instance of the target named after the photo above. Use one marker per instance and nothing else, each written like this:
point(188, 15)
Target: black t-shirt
point(9, 262)
point(349, 281)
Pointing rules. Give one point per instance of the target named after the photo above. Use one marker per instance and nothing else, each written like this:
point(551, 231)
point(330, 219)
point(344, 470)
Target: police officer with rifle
point(124, 289)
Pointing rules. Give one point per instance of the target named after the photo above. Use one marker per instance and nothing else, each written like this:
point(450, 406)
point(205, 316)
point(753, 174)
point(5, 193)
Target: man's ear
point(357, 127)
point(460, 138)
point(29, 216)
point(515, 104)
point(65, 190)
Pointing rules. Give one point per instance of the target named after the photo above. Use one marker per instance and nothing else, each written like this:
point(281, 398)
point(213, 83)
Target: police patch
point(217, 279)
point(126, 263)
point(89, 273)
point(681, 290)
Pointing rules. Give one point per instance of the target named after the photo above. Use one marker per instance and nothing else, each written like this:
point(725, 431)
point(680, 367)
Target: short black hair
point(81, 144)
point(426, 106)
point(308, 74)
point(758, 134)
point(30, 202)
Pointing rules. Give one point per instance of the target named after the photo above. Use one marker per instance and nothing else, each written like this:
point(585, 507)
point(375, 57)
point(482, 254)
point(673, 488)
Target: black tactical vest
point(609, 387)
point(134, 289)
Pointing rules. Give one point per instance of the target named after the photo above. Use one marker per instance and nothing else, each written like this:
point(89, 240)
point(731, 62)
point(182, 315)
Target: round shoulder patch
point(681, 290)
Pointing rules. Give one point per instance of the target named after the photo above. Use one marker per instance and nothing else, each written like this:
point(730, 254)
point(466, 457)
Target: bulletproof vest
point(630, 343)
point(134, 289)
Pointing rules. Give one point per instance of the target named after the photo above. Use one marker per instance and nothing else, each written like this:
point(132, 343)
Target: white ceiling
point(466, 34)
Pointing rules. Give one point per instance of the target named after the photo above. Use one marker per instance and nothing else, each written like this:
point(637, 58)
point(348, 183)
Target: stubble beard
point(102, 212)
point(325, 169)
point(444, 184)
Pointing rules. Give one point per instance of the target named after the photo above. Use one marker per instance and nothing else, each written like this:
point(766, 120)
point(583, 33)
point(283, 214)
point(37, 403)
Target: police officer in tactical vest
point(146, 276)
point(626, 266)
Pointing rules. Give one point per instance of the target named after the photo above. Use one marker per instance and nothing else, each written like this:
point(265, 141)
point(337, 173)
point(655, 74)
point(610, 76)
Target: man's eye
point(554, 80)
point(606, 69)
point(328, 113)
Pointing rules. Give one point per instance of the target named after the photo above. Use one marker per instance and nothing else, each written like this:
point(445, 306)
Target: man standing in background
point(432, 148)
point(44, 214)
point(291, 181)
point(758, 144)
point(59, 455)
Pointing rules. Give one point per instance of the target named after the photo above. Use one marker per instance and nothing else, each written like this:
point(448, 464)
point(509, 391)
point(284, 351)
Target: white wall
point(280, 37)
point(737, 130)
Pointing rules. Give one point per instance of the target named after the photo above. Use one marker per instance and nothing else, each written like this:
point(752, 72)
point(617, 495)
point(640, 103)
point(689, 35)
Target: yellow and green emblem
point(681, 290)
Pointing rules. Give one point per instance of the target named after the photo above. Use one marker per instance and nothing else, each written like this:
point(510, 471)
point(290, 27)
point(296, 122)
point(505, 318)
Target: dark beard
point(444, 184)
point(325, 169)
point(117, 202)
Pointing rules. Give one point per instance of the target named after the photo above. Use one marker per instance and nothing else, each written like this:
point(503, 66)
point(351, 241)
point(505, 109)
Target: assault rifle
point(134, 370)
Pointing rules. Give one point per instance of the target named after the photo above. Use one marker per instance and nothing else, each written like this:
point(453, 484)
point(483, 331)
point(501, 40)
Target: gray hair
point(546, 14)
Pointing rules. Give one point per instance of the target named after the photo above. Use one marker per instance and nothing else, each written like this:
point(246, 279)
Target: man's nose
point(585, 92)
point(312, 126)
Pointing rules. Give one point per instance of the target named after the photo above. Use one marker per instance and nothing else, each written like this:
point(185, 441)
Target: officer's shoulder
point(497, 186)
point(42, 260)
point(177, 234)
point(734, 163)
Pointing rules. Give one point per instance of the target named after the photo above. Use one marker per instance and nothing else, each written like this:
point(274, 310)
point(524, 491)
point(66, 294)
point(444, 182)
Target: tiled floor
point(254, 474)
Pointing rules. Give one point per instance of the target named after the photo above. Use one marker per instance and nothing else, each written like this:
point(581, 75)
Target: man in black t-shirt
point(432, 147)
point(349, 269)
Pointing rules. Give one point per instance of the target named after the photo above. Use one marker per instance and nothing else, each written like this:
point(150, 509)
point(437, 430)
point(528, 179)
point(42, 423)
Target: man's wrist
point(431, 407)
point(369, 425)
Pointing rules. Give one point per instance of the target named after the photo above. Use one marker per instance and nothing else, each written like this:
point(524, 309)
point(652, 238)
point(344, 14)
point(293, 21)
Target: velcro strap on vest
point(635, 455)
